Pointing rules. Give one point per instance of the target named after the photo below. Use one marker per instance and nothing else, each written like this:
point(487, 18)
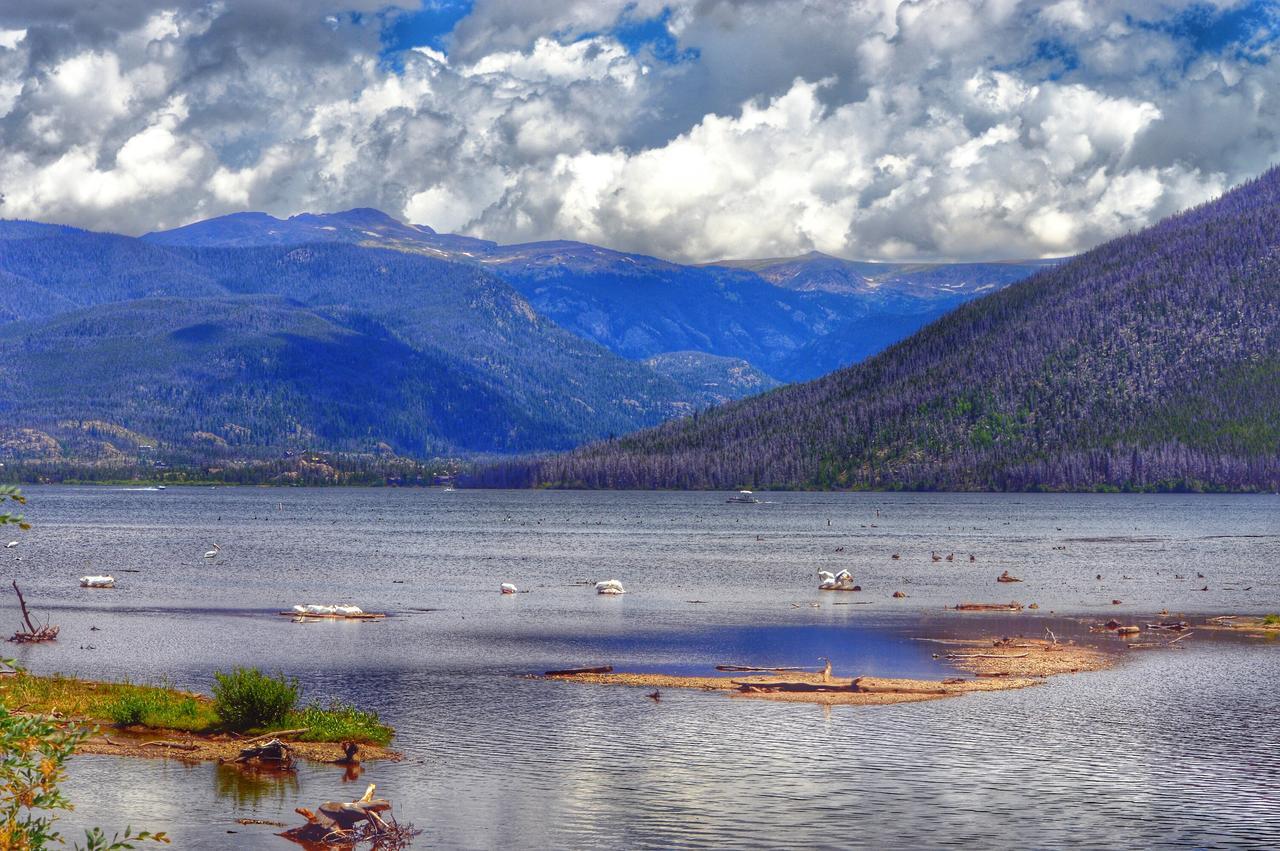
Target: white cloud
point(551, 61)
point(1050, 178)
point(155, 162)
point(931, 128)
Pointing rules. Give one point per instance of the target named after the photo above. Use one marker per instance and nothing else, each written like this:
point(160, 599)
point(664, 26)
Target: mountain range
point(248, 335)
point(1150, 362)
point(785, 316)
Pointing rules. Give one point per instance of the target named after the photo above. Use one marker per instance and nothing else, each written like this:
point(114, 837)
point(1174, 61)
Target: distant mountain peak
point(358, 216)
point(256, 228)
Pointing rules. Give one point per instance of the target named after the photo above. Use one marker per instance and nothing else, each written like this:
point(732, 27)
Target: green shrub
point(1271, 620)
point(340, 722)
point(130, 709)
point(247, 698)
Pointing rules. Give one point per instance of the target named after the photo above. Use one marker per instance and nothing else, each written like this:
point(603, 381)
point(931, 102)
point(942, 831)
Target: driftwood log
point(870, 686)
point(983, 655)
point(33, 633)
point(787, 686)
point(989, 607)
point(274, 753)
point(278, 734)
point(569, 672)
point(181, 746)
point(336, 821)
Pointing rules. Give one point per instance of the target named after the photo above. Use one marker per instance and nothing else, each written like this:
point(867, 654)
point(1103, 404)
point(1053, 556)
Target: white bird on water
point(11, 545)
point(213, 553)
point(611, 587)
point(827, 581)
point(97, 582)
point(508, 588)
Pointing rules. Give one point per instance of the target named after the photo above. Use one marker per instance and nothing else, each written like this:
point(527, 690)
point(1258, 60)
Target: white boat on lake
point(744, 497)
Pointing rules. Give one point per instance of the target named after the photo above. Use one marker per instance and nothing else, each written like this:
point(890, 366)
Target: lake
point(1171, 748)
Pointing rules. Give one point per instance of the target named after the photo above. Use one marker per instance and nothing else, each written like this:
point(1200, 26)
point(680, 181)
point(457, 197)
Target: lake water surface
point(1176, 748)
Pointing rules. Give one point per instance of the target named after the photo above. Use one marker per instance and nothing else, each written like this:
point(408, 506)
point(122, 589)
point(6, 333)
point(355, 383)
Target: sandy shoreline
point(982, 662)
point(188, 747)
point(1256, 627)
point(993, 665)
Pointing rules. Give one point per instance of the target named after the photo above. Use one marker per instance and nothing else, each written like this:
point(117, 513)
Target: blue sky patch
point(653, 34)
point(427, 27)
point(1238, 32)
point(431, 26)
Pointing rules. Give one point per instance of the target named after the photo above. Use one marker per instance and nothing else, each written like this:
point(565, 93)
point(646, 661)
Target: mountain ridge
point(1152, 361)
point(641, 306)
point(473, 332)
point(563, 341)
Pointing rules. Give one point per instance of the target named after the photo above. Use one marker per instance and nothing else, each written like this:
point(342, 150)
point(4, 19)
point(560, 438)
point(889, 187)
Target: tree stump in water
point(33, 633)
point(274, 753)
point(336, 820)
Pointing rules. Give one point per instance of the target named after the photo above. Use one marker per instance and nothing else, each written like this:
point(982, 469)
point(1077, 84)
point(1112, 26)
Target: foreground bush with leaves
point(33, 755)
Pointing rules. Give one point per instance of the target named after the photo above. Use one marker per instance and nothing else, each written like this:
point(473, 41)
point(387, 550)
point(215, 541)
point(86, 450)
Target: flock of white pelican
point(608, 587)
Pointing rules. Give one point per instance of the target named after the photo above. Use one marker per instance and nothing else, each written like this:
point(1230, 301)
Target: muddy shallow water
point(1170, 748)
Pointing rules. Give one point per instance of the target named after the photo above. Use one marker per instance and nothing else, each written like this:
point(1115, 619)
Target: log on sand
point(278, 734)
point(984, 655)
point(872, 685)
point(989, 607)
point(788, 686)
point(182, 746)
point(571, 672)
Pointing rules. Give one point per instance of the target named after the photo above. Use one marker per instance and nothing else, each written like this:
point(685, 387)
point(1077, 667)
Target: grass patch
point(1271, 620)
point(158, 707)
point(339, 722)
point(164, 707)
point(117, 703)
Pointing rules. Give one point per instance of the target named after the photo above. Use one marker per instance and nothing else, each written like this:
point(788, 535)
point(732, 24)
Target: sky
point(693, 130)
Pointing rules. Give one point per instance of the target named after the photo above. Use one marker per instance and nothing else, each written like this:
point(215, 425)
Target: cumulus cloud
point(882, 129)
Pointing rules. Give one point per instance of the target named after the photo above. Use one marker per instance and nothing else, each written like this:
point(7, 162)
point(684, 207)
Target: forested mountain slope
point(1151, 361)
point(778, 316)
point(507, 349)
point(49, 269)
point(242, 374)
point(97, 328)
